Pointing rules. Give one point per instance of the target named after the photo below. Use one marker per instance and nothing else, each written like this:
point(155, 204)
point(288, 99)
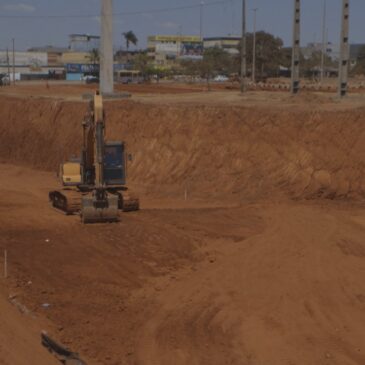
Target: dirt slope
point(278, 283)
point(20, 338)
point(213, 151)
point(290, 295)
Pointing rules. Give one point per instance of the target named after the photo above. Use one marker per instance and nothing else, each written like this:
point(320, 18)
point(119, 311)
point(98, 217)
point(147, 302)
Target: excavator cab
point(101, 205)
point(114, 164)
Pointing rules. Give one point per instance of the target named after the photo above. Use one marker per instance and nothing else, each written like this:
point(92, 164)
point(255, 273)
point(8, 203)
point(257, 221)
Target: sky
point(20, 19)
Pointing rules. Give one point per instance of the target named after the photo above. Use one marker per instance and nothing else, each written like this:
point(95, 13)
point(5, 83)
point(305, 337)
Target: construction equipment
point(94, 185)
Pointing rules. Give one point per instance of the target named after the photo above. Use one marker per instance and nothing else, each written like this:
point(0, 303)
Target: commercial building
point(54, 54)
point(228, 44)
point(165, 50)
point(332, 50)
point(29, 65)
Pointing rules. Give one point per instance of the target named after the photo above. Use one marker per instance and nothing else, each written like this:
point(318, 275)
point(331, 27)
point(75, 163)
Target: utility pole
point(254, 47)
point(243, 49)
point(106, 48)
point(344, 49)
point(201, 19)
point(13, 61)
point(324, 46)
point(295, 81)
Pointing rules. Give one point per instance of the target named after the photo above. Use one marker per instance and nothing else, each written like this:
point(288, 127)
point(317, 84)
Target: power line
point(131, 13)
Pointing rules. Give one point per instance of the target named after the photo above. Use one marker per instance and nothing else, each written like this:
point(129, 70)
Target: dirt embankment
point(19, 338)
point(233, 152)
point(181, 282)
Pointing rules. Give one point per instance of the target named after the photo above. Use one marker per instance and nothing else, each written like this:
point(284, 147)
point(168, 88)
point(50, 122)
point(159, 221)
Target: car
point(221, 78)
point(91, 79)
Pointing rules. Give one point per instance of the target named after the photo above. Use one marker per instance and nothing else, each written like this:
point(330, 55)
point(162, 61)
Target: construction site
point(217, 227)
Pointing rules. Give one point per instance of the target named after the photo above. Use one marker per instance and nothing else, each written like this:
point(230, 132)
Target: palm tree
point(130, 38)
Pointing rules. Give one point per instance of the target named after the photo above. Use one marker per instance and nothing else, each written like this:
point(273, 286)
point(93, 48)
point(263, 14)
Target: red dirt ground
point(263, 264)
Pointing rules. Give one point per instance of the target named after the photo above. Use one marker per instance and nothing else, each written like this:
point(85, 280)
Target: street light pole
point(324, 47)
point(201, 19)
point(296, 49)
point(13, 61)
point(243, 49)
point(8, 63)
point(254, 46)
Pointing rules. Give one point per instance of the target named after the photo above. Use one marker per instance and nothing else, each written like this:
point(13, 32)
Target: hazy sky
point(274, 16)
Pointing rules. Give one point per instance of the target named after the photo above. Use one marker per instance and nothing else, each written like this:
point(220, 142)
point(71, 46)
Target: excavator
point(94, 185)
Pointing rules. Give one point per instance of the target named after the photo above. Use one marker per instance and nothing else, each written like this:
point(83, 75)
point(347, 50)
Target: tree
point(130, 38)
point(94, 56)
point(269, 54)
point(191, 67)
point(215, 61)
point(310, 66)
point(142, 63)
point(360, 63)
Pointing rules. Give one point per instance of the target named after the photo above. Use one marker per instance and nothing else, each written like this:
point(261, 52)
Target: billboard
point(80, 68)
point(29, 59)
point(192, 49)
point(168, 48)
point(174, 38)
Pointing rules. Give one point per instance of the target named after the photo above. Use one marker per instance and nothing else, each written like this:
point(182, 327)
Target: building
point(29, 65)
point(54, 54)
point(166, 50)
point(83, 42)
point(332, 50)
point(229, 44)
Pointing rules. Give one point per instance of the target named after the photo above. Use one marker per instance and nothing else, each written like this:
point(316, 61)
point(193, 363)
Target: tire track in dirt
point(275, 298)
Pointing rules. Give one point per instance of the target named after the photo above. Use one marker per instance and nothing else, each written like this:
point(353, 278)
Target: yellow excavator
point(94, 185)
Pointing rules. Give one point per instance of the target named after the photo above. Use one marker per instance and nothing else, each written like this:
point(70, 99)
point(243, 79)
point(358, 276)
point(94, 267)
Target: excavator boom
point(99, 205)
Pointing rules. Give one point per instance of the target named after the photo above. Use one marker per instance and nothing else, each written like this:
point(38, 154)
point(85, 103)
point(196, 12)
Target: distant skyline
point(18, 19)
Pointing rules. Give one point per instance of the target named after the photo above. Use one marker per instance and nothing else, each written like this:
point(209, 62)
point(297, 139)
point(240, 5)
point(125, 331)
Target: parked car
point(91, 79)
point(221, 78)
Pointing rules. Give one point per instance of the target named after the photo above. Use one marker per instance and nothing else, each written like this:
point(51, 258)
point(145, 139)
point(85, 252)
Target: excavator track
point(66, 201)
point(128, 201)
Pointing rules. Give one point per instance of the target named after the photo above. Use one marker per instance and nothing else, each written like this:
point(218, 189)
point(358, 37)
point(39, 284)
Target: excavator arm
point(98, 205)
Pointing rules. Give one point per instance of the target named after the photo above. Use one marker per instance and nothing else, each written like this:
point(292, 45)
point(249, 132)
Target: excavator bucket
point(95, 210)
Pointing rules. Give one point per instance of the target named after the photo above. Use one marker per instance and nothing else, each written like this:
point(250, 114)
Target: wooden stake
point(5, 264)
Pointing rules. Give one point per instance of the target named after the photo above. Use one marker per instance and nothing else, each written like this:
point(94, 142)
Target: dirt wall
point(233, 152)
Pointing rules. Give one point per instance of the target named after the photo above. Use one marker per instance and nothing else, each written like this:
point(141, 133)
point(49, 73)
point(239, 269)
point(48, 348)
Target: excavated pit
point(235, 258)
point(216, 151)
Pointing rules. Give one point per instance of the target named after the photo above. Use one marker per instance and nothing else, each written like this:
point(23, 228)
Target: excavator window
point(114, 166)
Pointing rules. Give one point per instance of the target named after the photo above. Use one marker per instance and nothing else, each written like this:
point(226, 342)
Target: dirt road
point(262, 263)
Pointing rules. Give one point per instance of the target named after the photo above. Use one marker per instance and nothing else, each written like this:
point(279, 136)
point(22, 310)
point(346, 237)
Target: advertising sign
point(79, 68)
point(168, 48)
point(191, 49)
